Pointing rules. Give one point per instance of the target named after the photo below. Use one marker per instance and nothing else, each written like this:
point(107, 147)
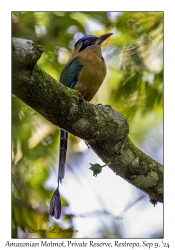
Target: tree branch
point(104, 129)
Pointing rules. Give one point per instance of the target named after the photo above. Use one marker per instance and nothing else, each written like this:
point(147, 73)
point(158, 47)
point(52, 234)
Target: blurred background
point(105, 206)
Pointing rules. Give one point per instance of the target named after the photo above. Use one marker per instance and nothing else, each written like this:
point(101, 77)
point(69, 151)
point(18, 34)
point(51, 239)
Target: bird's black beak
point(102, 38)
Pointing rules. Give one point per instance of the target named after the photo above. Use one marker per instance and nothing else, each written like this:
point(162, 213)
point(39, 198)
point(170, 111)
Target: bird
point(84, 72)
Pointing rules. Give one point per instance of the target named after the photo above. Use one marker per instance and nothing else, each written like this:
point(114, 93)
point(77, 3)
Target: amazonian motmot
point(84, 72)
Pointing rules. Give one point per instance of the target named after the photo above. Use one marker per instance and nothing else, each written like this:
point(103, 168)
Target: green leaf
point(96, 168)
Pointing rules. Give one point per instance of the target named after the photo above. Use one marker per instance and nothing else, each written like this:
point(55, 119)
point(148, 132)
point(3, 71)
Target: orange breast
point(92, 74)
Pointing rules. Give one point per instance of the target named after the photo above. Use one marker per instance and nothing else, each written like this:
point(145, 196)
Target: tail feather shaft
point(63, 151)
point(55, 203)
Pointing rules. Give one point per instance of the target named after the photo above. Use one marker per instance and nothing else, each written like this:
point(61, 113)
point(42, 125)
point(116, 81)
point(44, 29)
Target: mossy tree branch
point(104, 129)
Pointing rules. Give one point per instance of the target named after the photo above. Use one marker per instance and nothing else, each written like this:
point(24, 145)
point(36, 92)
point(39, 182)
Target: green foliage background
point(133, 86)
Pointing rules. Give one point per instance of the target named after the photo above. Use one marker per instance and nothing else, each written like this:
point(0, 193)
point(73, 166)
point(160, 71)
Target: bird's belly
point(90, 79)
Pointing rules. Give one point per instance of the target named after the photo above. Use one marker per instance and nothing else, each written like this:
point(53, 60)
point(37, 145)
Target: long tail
point(55, 203)
point(63, 151)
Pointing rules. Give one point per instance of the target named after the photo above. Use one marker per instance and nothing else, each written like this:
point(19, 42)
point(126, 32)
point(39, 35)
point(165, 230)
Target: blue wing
point(69, 75)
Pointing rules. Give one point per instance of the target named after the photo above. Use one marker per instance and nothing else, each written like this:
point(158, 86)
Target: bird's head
point(90, 40)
